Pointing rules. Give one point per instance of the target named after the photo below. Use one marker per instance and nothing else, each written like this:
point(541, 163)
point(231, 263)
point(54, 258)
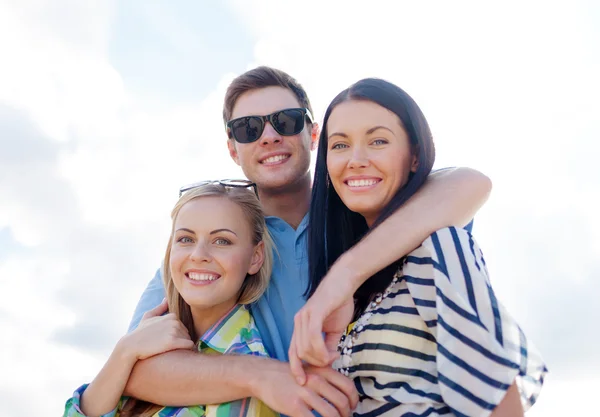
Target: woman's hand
point(156, 334)
point(327, 312)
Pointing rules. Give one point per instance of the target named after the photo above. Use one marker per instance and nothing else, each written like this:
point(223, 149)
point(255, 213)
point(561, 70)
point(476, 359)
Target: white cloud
point(88, 175)
point(566, 397)
point(89, 166)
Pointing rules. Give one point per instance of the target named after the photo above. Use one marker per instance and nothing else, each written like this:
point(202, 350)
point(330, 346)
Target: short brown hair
point(262, 77)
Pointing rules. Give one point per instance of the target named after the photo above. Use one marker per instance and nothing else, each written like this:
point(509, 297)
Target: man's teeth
point(362, 183)
point(202, 277)
point(275, 158)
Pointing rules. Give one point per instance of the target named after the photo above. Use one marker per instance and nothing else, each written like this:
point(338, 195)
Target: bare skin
point(187, 378)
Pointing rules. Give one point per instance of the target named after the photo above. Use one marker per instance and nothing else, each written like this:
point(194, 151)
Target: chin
point(369, 212)
point(362, 206)
point(365, 211)
point(195, 301)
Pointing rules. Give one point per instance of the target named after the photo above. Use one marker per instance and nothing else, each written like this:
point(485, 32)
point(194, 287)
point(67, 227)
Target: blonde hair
point(253, 287)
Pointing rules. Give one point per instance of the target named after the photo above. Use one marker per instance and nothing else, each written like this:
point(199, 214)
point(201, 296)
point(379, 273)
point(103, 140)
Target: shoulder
point(448, 249)
point(449, 238)
point(248, 340)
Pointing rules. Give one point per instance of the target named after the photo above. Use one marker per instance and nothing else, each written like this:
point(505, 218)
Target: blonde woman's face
point(212, 251)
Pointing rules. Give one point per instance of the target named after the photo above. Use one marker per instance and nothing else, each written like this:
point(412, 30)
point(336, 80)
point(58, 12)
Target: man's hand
point(328, 312)
point(326, 391)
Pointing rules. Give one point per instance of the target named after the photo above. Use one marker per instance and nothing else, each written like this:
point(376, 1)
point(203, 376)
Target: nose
point(201, 253)
point(270, 135)
point(358, 158)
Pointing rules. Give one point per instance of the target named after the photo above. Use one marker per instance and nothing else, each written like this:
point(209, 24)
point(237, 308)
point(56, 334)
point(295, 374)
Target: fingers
point(330, 393)
point(314, 332)
point(339, 381)
point(319, 404)
point(302, 412)
point(181, 330)
point(296, 363)
point(310, 346)
point(331, 343)
point(159, 310)
point(183, 344)
point(176, 335)
point(304, 351)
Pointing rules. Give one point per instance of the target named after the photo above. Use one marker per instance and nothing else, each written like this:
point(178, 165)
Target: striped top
point(437, 341)
point(234, 334)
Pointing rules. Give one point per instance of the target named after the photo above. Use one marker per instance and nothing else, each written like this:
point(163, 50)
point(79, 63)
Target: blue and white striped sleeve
point(481, 350)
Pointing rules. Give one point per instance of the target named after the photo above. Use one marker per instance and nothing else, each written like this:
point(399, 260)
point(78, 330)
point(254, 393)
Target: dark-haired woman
point(427, 335)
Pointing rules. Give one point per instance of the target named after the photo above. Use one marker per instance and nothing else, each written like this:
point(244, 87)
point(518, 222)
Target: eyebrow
point(183, 229)
point(222, 230)
point(371, 130)
point(338, 134)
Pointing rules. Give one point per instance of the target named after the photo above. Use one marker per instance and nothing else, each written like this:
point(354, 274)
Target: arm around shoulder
point(449, 197)
point(183, 378)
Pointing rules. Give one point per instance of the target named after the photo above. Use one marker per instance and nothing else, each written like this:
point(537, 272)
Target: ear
point(414, 163)
point(233, 151)
point(258, 257)
point(314, 136)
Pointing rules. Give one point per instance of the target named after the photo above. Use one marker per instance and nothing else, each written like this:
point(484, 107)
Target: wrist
point(346, 275)
point(260, 369)
point(125, 352)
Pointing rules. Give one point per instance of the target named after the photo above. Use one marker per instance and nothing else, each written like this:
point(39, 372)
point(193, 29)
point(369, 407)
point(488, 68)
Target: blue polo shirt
point(274, 311)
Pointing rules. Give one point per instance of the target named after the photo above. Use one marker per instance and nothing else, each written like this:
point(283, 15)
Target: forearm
point(105, 391)
point(182, 378)
point(510, 406)
point(448, 198)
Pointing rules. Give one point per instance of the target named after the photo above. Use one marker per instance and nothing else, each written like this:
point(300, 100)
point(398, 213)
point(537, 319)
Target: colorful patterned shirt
point(235, 333)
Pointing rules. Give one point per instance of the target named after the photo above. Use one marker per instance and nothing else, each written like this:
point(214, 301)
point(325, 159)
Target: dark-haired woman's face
point(369, 156)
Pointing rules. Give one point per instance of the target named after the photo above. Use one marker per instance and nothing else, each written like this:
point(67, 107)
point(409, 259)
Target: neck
point(205, 317)
point(290, 205)
point(370, 218)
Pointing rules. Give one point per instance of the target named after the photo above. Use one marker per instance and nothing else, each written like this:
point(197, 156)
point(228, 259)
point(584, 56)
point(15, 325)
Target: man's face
point(274, 162)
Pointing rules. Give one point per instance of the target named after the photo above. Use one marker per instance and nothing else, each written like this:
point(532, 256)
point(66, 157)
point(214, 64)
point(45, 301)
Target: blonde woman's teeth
point(202, 277)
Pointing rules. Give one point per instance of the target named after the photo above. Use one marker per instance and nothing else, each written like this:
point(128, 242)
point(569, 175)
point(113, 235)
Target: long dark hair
point(333, 228)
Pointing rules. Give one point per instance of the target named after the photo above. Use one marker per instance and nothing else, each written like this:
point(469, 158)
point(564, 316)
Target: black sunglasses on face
point(224, 183)
point(287, 122)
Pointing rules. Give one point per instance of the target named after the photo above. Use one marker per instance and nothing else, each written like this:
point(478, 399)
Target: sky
point(108, 107)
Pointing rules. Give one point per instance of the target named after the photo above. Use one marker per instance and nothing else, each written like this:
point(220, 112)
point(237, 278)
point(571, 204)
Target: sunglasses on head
point(287, 122)
point(224, 183)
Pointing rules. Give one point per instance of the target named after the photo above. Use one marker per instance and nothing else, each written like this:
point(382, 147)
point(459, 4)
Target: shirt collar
point(224, 334)
point(281, 225)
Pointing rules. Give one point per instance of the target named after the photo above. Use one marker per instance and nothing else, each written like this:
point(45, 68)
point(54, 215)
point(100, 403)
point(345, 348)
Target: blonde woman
point(218, 260)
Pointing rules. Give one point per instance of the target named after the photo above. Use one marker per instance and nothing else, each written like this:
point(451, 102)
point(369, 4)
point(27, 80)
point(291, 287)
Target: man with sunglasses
point(271, 133)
